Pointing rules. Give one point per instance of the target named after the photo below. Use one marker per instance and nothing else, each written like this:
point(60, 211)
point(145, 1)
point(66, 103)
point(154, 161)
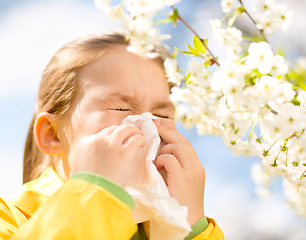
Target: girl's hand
point(185, 175)
point(110, 152)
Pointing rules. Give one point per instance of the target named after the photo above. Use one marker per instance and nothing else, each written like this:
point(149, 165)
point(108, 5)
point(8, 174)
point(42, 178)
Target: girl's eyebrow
point(163, 105)
point(123, 97)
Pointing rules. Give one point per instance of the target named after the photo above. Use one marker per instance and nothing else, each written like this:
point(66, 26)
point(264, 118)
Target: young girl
point(79, 157)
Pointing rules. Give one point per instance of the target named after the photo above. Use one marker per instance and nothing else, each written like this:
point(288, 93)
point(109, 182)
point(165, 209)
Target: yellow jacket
point(49, 209)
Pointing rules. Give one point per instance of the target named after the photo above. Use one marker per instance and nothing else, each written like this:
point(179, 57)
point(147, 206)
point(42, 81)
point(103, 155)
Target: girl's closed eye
point(123, 109)
point(161, 116)
point(127, 109)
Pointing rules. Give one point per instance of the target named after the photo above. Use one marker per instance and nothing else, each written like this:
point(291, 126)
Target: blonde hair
point(58, 87)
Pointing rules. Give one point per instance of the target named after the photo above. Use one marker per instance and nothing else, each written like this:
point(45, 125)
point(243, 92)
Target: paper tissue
point(168, 220)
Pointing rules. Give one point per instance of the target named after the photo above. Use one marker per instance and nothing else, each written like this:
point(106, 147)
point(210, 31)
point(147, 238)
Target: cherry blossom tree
point(253, 99)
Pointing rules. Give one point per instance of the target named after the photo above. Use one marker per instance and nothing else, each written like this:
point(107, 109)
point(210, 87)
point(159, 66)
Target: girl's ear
point(45, 131)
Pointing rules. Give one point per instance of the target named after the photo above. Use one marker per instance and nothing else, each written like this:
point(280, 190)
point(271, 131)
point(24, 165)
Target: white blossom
point(288, 121)
point(208, 113)
point(114, 13)
point(251, 148)
point(102, 4)
point(233, 99)
point(230, 77)
point(147, 7)
point(278, 66)
point(283, 93)
point(228, 5)
point(215, 24)
point(137, 25)
point(186, 114)
point(301, 62)
point(260, 56)
point(281, 169)
point(297, 147)
point(284, 16)
point(267, 23)
point(253, 99)
point(196, 71)
point(276, 127)
point(302, 98)
point(199, 90)
point(233, 87)
point(265, 87)
point(172, 71)
point(270, 17)
point(185, 95)
point(233, 145)
point(293, 116)
point(143, 37)
point(295, 198)
point(229, 37)
point(267, 165)
point(263, 7)
point(295, 179)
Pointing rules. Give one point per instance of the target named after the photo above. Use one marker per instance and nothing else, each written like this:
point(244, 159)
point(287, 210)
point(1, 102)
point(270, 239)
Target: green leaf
point(240, 10)
point(250, 80)
point(205, 41)
point(174, 16)
point(227, 16)
point(185, 52)
point(207, 63)
point(302, 85)
point(198, 44)
point(265, 153)
point(174, 54)
point(279, 76)
point(284, 149)
point(187, 76)
point(253, 38)
point(162, 21)
point(187, 79)
point(194, 51)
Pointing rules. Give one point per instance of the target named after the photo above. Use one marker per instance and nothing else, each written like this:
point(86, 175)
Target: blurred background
point(31, 31)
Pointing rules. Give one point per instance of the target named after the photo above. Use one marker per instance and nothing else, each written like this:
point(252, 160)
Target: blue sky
point(30, 33)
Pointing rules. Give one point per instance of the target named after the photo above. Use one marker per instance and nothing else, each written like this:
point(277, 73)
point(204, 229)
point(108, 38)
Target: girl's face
point(116, 85)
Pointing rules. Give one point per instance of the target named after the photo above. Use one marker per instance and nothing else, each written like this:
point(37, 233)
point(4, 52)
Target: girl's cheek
point(98, 121)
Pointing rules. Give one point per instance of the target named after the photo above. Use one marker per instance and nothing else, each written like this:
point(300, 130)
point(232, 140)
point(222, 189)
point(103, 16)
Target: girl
point(79, 157)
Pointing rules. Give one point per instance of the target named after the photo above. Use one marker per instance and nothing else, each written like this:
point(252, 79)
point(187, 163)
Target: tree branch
point(213, 59)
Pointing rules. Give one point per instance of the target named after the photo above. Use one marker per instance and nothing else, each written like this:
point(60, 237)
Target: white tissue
point(168, 220)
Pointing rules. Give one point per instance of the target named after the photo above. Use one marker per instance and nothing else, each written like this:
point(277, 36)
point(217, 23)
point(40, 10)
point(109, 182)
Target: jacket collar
point(36, 192)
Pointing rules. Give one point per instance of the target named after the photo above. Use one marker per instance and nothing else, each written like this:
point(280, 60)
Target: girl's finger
point(169, 163)
point(108, 130)
point(181, 153)
point(168, 134)
point(123, 132)
point(134, 143)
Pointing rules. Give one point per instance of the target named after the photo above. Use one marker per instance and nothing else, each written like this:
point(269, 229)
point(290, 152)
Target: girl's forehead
point(119, 72)
point(118, 66)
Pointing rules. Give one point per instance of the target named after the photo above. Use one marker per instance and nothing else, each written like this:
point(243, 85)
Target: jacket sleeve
point(10, 219)
point(78, 210)
point(212, 232)
point(87, 206)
